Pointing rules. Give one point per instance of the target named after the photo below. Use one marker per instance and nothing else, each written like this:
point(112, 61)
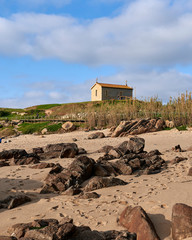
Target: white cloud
point(34, 94)
point(146, 84)
point(146, 32)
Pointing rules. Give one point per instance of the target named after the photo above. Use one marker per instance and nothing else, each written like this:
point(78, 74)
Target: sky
point(52, 51)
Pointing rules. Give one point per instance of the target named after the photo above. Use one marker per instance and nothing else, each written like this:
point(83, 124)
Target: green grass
point(54, 127)
point(46, 106)
point(182, 128)
point(29, 128)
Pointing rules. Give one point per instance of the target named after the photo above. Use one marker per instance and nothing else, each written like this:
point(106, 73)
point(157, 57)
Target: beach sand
point(156, 193)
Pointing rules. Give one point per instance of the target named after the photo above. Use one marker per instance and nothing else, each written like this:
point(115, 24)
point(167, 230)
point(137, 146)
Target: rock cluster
point(21, 157)
point(102, 173)
point(135, 127)
point(136, 221)
point(51, 229)
point(132, 158)
point(17, 157)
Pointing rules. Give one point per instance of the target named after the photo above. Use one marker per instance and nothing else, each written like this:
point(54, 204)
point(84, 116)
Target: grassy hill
point(111, 112)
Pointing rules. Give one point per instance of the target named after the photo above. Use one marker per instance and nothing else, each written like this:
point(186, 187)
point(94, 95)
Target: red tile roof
point(112, 85)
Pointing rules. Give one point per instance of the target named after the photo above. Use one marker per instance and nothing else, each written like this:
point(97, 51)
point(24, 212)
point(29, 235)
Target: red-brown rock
point(181, 221)
point(136, 220)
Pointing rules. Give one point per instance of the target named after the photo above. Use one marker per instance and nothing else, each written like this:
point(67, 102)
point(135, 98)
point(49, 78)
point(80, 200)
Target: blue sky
point(51, 51)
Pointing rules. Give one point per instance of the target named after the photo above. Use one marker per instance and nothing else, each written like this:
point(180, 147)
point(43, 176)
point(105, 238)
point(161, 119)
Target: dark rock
point(106, 157)
point(43, 165)
point(177, 148)
point(48, 233)
point(105, 149)
point(57, 183)
point(82, 151)
point(96, 135)
point(135, 164)
point(82, 168)
point(136, 220)
point(19, 230)
point(104, 169)
point(102, 182)
point(78, 171)
point(177, 160)
point(25, 160)
point(3, 163)
point(56, 169)
point(40, 223)
point(123, 235)
point(123, 147)
point(59, 150)
point(68, 152)
point(115, 153)
point(153, 153)
point(136, 145)
point(38, 150)
point(66, 230)
point(99, 170)
point(181, 221)
point(121, 167)
point(18, 200)
point(13, 153)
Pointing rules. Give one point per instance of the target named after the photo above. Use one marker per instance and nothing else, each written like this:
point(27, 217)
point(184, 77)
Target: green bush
point(4, 113)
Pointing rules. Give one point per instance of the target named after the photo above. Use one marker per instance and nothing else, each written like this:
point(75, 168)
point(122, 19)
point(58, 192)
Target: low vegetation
point(106, 113)
point(29, 128)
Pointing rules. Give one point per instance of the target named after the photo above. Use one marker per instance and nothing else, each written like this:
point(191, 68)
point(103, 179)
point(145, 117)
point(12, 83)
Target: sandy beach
point(156, 193)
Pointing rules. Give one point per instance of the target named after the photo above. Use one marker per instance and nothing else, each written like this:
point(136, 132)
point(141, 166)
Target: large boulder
point(103, 182)
point(62, 150)
point(138, 126)
point(68, 126)
point(59, 180)
point(181, 221)
point(135, 219)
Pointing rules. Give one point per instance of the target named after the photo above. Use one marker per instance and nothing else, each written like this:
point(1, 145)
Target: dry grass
point(110, 113)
